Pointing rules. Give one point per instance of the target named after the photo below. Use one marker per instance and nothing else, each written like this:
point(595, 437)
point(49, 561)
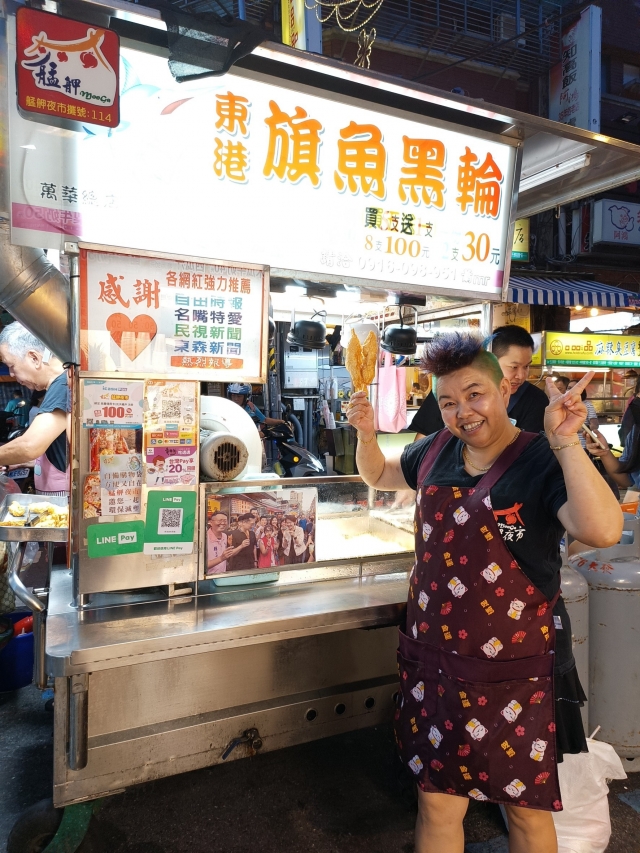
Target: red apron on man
point(475, 713)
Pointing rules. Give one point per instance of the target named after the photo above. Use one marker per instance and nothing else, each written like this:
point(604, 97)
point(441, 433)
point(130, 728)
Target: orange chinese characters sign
point(66, 69)
point(168, 315)
point(360, 192)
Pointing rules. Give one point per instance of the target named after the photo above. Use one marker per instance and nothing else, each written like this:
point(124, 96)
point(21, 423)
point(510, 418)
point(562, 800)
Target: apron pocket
point(497, 730)
point(418, 673)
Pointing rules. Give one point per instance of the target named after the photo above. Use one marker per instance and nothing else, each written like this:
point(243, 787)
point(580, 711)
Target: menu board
point(172, 316)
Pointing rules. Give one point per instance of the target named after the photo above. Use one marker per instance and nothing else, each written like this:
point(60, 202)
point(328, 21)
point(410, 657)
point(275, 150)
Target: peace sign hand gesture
point(565, 413)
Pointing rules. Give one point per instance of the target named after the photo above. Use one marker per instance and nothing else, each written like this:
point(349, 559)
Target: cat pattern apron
point(475, 713)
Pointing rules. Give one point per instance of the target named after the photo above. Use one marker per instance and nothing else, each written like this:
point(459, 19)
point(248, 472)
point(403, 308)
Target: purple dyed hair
point(455, 350)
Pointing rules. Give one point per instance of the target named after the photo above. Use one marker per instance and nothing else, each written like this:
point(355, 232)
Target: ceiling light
point(577, 307)
point(557, 171)
point(29, 147)
point(594, 312)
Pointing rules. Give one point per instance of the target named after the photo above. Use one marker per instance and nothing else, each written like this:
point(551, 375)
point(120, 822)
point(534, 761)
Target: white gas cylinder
point(613, 575)
point(575, 592)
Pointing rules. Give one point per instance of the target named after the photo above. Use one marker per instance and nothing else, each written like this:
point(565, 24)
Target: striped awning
point(547, 290)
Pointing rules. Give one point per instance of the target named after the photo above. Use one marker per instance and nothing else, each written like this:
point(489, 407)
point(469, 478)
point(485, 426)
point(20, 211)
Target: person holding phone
point(625, 470)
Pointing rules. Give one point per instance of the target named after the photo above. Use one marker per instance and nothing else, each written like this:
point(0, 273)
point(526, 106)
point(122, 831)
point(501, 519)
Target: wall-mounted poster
point(257, 531)
point(173, 316)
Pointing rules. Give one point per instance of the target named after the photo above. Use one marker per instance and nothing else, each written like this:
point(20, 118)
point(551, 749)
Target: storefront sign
point(520, 248)
point(616, 222)
point(66, 69)
point(512, 314)
point(252, 171)
point(170, 523)
point(592, 350)
point(162, 315)
point(112, 404)
point(293, 23)
point(107, 540)
point(574, 83)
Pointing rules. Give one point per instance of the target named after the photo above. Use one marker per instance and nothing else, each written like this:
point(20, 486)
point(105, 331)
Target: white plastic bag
point(584, 826)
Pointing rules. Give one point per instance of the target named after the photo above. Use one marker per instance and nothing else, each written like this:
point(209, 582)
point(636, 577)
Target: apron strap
point(505, 460)
point(437, 445)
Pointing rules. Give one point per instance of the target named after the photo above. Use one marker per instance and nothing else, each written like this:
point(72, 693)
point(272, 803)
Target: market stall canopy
point(546, 290)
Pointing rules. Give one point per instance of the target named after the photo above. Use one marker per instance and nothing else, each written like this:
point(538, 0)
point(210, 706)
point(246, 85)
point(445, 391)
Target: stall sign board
point(108, 403)
point(574, 83)
point(66, 69)
point(110, 539)
point(161, 315)
point(256, 171)
point(170, 523)
point(120, 483)
point(293, 23)
point(520, 248)
point(595, 350)
point(616, 222)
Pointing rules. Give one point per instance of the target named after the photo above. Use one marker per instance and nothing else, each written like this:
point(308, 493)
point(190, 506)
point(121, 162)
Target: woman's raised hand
point(565, 413)
point(360, 414)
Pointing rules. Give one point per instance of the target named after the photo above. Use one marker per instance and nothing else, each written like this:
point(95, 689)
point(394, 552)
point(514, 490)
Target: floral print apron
point(475, 712)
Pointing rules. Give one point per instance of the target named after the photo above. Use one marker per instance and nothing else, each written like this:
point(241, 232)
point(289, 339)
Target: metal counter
point(152, 689)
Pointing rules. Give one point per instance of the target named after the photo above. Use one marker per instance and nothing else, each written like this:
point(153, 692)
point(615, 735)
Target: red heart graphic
point(132, 336)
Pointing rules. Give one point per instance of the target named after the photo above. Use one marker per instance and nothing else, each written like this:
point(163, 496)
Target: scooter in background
point(294, 460)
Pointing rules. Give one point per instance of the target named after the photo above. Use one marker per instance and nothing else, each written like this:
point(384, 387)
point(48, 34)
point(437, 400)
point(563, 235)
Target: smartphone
point(593, 436)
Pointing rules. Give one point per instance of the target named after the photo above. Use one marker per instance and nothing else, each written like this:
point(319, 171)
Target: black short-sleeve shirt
point(534, 490)
point(57, 398)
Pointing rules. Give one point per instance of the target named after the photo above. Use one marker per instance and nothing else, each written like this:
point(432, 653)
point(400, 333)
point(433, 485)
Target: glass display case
point(294, 530)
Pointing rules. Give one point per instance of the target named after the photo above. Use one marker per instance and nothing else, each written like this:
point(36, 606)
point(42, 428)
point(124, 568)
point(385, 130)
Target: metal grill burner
point(226, 457)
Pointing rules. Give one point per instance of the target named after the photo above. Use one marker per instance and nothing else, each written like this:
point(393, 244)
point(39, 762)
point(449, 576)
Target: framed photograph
point(260, 531)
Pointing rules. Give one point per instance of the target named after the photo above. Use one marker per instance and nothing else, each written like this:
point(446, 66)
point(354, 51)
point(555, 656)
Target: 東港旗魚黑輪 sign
point(267, 174)
point(66, 69)
point(592, 350)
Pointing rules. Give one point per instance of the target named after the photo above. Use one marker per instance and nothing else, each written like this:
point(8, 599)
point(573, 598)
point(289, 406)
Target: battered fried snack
point(370, 358)
point(17, 509)
point(361, 360)
point(353, 362)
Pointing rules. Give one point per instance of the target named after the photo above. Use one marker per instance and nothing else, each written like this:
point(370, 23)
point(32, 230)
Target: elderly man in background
point(31, 364)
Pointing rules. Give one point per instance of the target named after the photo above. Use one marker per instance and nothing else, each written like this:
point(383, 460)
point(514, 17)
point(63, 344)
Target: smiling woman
point(492, 506)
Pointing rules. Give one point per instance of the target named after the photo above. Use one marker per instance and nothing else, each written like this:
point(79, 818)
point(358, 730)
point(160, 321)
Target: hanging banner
point(163, 315)
point(574, 83)
point(293, 24)
point(66, 70)
point(253, 170)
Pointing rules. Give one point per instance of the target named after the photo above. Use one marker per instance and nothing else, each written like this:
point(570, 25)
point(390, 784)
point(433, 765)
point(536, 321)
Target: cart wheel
point(48, 705)
point(35, 828)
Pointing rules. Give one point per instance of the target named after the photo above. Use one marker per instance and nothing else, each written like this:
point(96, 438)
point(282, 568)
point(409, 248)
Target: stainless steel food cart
point(157, 670)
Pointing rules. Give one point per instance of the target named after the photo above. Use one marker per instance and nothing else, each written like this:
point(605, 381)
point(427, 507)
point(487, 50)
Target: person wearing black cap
point(513, 346)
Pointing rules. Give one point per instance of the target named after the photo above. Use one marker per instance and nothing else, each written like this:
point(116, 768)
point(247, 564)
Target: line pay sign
point(108, 540)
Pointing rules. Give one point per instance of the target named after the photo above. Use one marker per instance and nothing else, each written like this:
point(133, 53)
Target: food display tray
point(31, 534)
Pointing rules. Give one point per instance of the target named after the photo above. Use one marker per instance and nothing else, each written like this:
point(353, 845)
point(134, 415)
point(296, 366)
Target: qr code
point(170, 522)
point(171, 410)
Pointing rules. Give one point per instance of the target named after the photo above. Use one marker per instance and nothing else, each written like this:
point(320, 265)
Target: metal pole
point(78, 721)
point(75, 499)
point(242, 11)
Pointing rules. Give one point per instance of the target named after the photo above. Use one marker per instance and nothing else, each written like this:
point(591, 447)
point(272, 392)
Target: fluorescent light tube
point(553, 172)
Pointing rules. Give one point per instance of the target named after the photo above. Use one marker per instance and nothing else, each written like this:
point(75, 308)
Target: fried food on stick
point(361, 360)
point(353, 362)
point(369, 358)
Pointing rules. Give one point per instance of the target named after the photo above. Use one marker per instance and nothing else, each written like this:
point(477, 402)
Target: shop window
point(630, 74)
